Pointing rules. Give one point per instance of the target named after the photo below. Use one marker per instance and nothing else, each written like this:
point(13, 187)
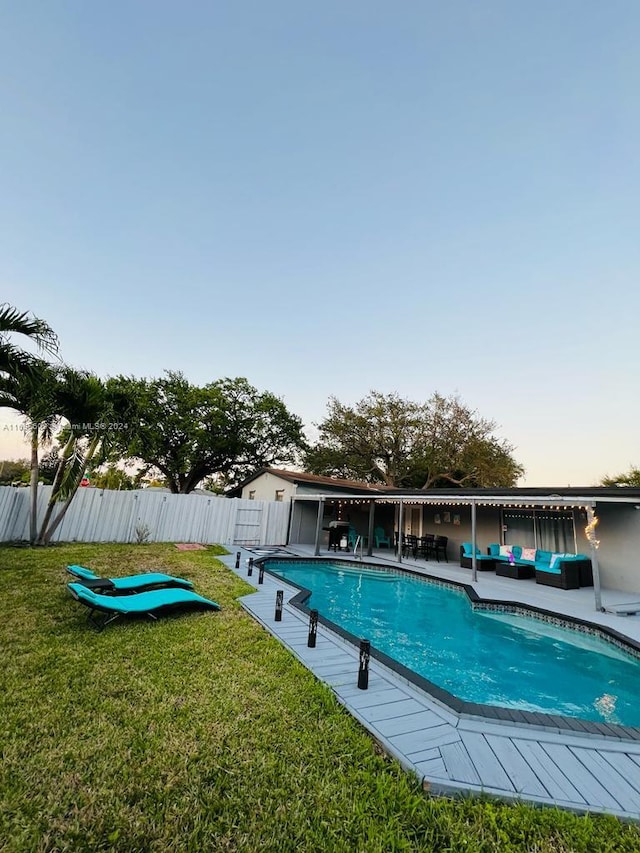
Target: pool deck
point(454, 753)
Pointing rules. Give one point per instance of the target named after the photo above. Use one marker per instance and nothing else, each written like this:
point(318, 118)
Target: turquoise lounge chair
point(127, 585)
point(140, 603)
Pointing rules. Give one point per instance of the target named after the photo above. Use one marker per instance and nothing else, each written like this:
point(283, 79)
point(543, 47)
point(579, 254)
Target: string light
point(590, 529)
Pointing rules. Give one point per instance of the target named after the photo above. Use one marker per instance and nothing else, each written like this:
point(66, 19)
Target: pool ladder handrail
point(359, 542)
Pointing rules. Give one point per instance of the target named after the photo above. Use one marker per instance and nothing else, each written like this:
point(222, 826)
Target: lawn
point(199, 732)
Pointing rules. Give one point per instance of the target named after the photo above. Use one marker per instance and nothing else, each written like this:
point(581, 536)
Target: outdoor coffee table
point(519, 571)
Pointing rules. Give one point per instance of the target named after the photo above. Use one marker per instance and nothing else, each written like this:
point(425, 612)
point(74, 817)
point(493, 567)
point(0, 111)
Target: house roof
point(353, 486)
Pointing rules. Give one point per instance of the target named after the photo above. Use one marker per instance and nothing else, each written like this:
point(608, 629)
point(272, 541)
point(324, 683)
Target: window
point(280, 495)
point(252, 495)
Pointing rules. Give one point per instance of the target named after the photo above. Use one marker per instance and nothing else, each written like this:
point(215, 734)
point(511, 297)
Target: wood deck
point(450, 753)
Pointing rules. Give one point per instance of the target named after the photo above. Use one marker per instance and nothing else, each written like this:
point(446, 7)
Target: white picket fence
point(98, 515)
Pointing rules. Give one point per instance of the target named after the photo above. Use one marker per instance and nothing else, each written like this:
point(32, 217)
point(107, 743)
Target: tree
point(13, 470)
point(189, 432)
point(80, 399)
point(15, 361)
point(112, 477)
point(387, 439)
point(631, 478)
point(32, 394)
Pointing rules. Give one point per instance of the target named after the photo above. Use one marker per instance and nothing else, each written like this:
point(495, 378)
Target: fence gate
point(248, 526)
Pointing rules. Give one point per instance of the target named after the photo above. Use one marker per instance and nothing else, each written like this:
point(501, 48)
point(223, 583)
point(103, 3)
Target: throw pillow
point(554, 560)
point(529, 554)
point(505, 550)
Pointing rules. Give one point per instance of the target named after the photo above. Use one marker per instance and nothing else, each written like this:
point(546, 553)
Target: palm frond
point(17, 322)
point(73, 472)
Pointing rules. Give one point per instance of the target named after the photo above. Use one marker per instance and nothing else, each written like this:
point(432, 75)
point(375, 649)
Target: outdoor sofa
point(484, 562)
point(564, 571)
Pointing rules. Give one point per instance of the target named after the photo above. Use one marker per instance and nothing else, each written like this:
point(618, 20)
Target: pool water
point(480, 656)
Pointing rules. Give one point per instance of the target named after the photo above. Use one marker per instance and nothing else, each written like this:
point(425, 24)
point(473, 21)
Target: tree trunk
point(33, 487)
point(57, 481)
point(58, 519)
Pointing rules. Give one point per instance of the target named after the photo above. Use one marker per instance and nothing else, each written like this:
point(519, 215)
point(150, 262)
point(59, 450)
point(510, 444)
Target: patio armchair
point(440, 547)
point(380, 538)
point(409, 545)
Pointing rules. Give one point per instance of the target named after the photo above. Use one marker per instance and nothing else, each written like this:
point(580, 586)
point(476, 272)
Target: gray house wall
point(304, 517)
point(619, 551)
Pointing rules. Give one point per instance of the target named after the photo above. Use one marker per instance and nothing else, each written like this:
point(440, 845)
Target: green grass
point(201, 733)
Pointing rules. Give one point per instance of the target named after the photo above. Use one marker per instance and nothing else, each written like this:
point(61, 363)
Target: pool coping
point(491, 713)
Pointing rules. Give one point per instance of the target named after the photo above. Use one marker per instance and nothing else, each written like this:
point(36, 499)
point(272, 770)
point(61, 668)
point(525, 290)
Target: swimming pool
point(481, 656)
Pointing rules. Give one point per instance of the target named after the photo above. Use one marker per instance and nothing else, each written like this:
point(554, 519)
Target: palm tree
point(13, 360)
point(81, 401)
point(32, 394)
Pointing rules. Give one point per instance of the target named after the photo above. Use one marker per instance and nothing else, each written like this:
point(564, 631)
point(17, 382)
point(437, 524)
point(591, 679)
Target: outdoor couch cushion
point(466, 554)
point(503, 553)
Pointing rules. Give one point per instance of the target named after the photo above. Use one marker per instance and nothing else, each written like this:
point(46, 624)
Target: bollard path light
point(313, 629)
point(261, 574)
point(363, 671)
point(237, 559)
point(250, 566)
point(279, 600)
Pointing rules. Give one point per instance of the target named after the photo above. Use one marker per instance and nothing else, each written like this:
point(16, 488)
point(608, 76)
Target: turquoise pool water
point(489, 658)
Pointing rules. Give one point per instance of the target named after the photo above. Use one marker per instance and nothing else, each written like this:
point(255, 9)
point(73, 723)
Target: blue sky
point(330, 198)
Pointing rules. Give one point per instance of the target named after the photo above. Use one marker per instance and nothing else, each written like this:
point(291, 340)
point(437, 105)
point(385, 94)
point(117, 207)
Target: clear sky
point(335, 197)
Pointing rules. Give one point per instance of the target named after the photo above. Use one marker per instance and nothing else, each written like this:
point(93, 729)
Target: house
point(276, 484)
point(552, 518)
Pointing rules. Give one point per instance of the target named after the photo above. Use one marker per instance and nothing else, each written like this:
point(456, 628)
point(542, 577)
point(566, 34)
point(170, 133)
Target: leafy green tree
point(188, 432)
point(112, 477)
point(13, 470)
point(630, 478)
point(387, 439)
point(47, 467)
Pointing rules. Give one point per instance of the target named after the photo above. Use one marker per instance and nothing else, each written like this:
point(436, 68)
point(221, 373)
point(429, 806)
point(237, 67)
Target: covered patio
point(479, 520)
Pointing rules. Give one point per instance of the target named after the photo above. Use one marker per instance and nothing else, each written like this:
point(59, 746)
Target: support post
point(400, 523)
point(279, 602)
point(363, 671)
point(590, 532)
point(313, 629)
point(316, 550)
point(372, 522)
point(474, 561)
